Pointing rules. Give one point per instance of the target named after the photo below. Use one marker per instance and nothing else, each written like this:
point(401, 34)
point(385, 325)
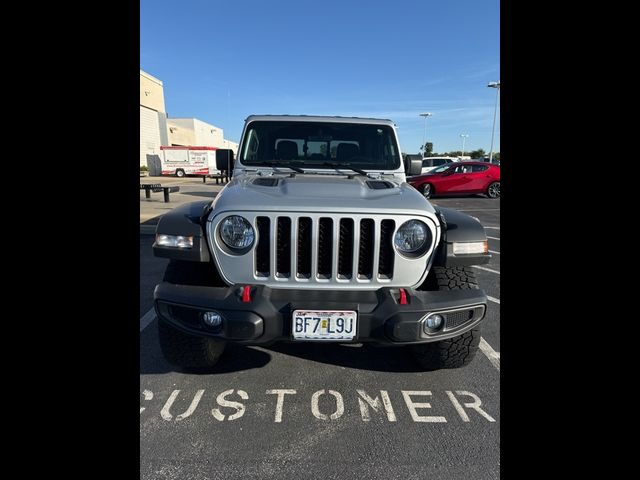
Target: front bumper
point(267, 317)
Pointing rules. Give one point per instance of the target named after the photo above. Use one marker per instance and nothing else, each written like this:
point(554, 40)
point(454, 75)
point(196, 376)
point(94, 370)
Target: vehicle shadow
point(359, 356)
point(235, 358)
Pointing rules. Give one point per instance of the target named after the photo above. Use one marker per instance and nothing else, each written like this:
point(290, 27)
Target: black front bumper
point(267, 317)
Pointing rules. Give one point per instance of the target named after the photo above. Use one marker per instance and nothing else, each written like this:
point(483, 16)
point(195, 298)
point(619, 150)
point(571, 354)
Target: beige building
point(153, 118)
point(232, 145)
point(194, 132)
point(157, 130)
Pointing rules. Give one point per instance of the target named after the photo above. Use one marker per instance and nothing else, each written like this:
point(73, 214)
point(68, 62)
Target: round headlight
point(412, 238)
point(236, 232)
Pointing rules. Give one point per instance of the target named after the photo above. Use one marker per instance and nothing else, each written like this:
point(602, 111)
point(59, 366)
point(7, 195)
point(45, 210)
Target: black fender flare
point(458, 227)
point(188, 219)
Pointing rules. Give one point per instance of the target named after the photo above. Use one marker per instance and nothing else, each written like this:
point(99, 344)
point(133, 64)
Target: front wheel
point(188, 351)
point(493, 191)
point(179, 173)
point(183, 349)
point(426, 190)
point(454, 352)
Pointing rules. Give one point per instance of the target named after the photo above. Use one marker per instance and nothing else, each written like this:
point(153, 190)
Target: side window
point(426, 163)
point(479, 168)
point(439, 161)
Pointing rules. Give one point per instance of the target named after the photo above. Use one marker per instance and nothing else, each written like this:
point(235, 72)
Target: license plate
point(323, 325)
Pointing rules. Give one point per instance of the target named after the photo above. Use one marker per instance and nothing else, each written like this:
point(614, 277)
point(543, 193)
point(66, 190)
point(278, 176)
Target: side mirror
point(224, 159)
point(415, 167)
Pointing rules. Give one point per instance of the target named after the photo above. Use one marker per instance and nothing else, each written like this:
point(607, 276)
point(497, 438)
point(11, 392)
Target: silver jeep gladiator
point(318, 238)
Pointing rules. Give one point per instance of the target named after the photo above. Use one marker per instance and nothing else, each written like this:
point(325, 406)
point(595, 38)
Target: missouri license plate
point(323, 325)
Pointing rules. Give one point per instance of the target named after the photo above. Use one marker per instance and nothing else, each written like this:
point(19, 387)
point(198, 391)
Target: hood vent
point(379, 184)
point(265, 182)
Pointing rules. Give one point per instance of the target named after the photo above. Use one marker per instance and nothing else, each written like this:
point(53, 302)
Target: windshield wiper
point(338, 166)
point(268, 163)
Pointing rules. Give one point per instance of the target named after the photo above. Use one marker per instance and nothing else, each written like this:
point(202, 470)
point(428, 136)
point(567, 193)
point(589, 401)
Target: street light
point(495, 85)
point(424, 137)
point(464, 137)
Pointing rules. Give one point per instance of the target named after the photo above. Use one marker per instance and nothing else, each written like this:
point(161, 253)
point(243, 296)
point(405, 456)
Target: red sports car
point(459, 178)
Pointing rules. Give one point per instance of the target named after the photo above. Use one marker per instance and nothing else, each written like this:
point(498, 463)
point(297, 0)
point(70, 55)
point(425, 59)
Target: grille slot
point(345, 248)
point(304, 248)
point(455, 319)
point(283, 248)
point(325, 247)
point(386, 256)
point(365, 259)
point(262, 249)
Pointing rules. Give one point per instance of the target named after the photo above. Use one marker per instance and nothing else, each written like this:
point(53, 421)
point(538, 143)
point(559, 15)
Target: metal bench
point(156, 188)
point(223, 176)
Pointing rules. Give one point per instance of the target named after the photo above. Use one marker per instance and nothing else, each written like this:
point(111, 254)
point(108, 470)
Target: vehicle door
point(427, 165)
point(454, 180)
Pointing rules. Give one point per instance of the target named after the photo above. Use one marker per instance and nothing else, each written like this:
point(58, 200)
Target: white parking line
point(147, 229)
point(492, 355)
point(493, 299)
point(486, 269)
point(493, 238)
point(147, 318)
point(493, 251)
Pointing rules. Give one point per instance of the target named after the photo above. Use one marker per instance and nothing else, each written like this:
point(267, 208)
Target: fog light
point(433, 322)
point(213, 319)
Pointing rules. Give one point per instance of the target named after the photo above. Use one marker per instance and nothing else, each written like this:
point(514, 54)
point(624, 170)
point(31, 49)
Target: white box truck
point(188, 160)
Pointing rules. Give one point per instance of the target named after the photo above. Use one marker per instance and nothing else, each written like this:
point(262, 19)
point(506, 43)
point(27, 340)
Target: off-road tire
point(454, 352)
point(183, 349)
point(188, 351)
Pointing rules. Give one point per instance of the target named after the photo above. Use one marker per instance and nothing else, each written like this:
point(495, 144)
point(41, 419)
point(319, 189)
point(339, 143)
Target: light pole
point(495, 85)
point(464, 137)
point(424, 136)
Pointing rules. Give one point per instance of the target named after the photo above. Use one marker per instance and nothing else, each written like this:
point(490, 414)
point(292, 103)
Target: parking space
point(309, 410)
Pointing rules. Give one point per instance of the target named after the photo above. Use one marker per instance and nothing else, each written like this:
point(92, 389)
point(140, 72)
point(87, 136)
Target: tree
point(428, 149)
point(480, 153)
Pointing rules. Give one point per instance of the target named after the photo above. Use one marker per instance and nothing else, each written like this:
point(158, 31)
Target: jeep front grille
point(315, 255)
point(323, 250)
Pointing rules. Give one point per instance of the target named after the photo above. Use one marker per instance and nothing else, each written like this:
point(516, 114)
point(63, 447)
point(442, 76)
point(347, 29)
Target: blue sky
point(221, 61)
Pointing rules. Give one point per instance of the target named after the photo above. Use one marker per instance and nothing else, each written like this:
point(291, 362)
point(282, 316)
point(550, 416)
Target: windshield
point(442, 168)
point(320, 145)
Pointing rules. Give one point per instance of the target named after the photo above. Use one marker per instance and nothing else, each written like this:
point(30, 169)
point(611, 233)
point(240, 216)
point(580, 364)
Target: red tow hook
point(246, 294)
point(403, 297)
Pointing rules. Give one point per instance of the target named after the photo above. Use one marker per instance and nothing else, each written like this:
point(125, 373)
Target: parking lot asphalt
point(323, 410)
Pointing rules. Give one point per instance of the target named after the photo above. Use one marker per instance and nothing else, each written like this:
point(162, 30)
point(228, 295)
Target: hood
point(321, 193)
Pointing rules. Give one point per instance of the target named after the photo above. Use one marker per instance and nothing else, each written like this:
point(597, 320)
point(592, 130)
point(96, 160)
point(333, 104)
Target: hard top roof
point(319, 118)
